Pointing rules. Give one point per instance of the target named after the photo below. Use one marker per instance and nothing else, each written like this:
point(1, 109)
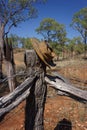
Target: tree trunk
point(1, 75)
point(10, 66)
point(36, 101)
point(1, 49)
point(6, 51)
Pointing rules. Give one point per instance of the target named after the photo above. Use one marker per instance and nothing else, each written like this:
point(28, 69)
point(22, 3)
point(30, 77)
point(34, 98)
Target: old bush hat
point(44, 51)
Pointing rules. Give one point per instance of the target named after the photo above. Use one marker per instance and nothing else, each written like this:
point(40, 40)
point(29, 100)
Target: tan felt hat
point(44, 51)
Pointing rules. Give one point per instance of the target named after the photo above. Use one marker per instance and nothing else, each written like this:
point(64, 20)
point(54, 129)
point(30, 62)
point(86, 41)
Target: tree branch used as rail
point(13, 99)
point(64, 86)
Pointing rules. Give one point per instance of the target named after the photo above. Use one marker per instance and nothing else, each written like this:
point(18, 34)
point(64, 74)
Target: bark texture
point(10, 101)
point(1, 75)
point(34, 112)
point(1, 48)
point(10, 65)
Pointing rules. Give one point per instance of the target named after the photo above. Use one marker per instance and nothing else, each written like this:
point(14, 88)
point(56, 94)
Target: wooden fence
point(33, 89)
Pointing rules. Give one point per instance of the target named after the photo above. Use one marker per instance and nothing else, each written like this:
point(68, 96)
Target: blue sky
point(60, 10)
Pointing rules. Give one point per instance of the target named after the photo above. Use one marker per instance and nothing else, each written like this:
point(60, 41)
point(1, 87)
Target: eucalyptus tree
point(51, 30)
point(12, 13)
point(15, 40)
point(79, 22)
point(75, 46)
point(26, 43)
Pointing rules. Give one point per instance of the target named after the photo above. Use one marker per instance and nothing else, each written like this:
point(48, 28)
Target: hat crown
point(44, 51)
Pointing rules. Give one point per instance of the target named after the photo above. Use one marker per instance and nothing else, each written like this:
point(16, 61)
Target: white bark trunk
point(10, 68)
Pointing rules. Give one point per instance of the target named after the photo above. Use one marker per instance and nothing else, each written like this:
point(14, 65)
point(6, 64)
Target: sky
point(60, 10)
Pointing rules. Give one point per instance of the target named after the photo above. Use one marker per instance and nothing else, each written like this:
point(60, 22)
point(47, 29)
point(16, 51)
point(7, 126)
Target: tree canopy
point(79, 22)
point(12, 12)
point(51, 30)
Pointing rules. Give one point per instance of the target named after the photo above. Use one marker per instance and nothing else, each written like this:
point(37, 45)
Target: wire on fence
point(17, 74)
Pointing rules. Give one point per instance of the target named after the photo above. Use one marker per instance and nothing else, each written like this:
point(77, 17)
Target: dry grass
point(19, 60)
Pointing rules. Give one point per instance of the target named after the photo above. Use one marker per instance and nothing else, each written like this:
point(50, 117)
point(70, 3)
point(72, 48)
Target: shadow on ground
point(64, 125)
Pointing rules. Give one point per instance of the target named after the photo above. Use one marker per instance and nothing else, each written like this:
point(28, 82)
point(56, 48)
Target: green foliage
point(26, 43)
point(15, 40)
point(51, 30)
point(56, 47)
point(79, 48)
point(12, 12)
point(72, 46)
point(20, 42)
point(72, 43)
point(75, 45)
point(79, 22)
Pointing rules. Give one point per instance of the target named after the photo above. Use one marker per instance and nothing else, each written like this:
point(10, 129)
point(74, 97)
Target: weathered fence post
point(36, 100)
point(36, 61)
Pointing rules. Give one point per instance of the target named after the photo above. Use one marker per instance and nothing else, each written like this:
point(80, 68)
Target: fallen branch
point(67, 88)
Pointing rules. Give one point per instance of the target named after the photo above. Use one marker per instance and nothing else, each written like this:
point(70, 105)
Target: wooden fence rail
point(13, 99)
point(67, 88)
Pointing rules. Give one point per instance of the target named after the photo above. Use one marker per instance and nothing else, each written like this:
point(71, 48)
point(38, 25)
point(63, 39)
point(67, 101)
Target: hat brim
point(41, 56)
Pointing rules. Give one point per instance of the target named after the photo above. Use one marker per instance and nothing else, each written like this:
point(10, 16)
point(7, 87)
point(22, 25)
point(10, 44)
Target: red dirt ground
point(57, 108)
